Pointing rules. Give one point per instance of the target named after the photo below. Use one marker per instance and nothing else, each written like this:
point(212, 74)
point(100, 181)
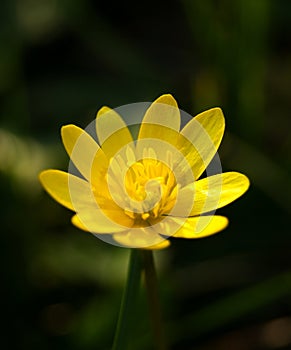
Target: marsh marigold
point(140, 192)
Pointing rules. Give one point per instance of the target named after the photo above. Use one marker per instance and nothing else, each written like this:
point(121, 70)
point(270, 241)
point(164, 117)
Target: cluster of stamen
point(151, 189)
point(145, 188)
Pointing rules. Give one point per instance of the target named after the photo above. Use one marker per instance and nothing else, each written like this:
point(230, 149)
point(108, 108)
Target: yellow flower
point(138, 193)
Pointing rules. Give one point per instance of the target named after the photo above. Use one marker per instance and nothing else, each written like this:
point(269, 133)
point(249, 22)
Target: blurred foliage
point(60, 61)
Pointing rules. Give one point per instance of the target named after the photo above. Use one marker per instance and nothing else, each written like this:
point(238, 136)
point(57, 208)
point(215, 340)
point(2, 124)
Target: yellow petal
point(201, 226)
point(64, 187)
point(195, 227)
point(83, 151)
point(168, 225)
point(112, 131)
point(216, 191)
point(78, 223)
point(139, 238)
point(97, 221)
point(165, 244)
point(183, 203)
point(200, 139)
point(161, 120)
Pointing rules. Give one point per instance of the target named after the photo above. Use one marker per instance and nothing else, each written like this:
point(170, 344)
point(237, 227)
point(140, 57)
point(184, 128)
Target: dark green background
point(61, 60)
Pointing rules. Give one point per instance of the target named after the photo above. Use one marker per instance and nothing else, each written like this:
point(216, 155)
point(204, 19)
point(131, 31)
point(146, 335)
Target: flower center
point(151, 189)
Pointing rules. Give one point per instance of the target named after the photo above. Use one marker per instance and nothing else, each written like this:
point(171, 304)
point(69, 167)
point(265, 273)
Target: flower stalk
point(153, 299)
point(140, 261)
point(128, 304)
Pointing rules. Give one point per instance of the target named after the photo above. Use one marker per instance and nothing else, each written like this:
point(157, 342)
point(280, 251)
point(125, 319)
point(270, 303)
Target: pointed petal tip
point(218, 109)
point(214, 111)
point(246, 180)
point(167, 99)
point(160, 246)
point(45, 176)
point(75, 220)
point(44, 173)
point(64, 129)
point(242, 179)
point(103, 110)
point(247, 184)
point(69, 133)
point(41, 175)
point(167, 95)
point(67, 127)
point(209, 226)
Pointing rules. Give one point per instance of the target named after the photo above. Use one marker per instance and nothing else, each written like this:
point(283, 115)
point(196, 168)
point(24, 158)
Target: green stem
point(128, 304)
point(153, 299)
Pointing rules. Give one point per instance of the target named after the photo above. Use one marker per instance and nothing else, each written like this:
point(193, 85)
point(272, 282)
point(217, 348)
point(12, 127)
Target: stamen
point(150, 185)
point(145, 216)
point(130, 213)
